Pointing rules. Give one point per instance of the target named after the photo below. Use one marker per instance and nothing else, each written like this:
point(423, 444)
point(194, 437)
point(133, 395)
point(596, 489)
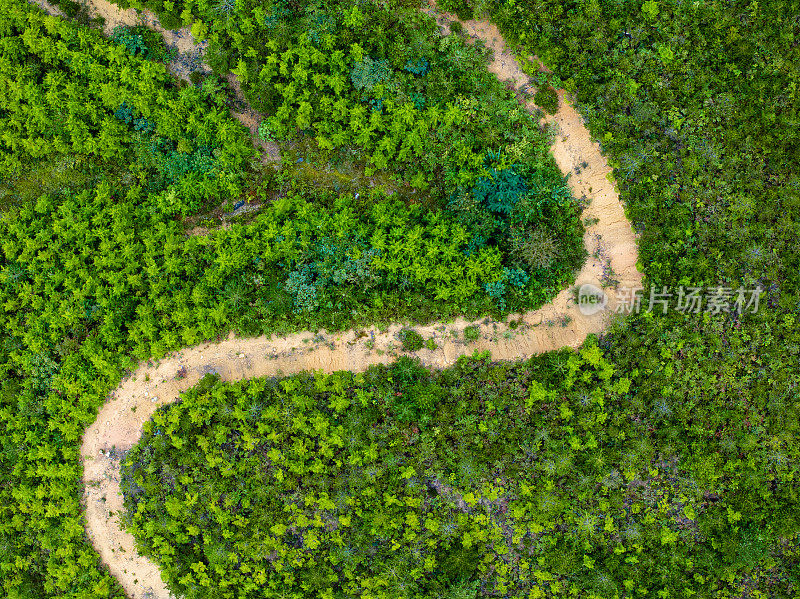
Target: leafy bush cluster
point(463, 9)
point(533, 220)
point(393, 255)
point(142, 41)
point(367, 74)
point(547, 98)
point(694, 103)
point(374, 79)
point(321, 91)
point(411, 340)
point(403, 482)
point(340, 97)
point(63, 87)
point(418, 67)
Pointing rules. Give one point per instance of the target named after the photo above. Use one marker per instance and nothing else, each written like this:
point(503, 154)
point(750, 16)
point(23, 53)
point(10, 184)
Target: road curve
point(556, 325)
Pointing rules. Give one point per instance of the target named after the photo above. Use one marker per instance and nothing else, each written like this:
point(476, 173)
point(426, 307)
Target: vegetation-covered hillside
point(541, 478)
point(105, 161)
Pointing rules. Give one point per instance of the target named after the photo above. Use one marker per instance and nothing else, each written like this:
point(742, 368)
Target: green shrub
point(411, 340)
point(462, 8)
point(367, 74)
point(472, 333)
point(142, 41)
point(463, 588)
point(546, 98)
point(196, 77)
point(70, 8)
point(460, 563)
point(170, 20)
point(218, 58)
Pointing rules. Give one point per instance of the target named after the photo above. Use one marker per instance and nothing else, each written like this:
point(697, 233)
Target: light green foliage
point(74, 102)
point(650, 9)
point(378, 79)
point(481, 482)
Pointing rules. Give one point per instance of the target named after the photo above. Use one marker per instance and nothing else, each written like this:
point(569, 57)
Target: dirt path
point(556, 325)
point(252, 119)
point(49, 8)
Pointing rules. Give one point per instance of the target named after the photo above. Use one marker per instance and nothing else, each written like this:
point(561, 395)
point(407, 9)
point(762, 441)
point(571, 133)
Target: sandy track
point(49, 8)
point(559, 324)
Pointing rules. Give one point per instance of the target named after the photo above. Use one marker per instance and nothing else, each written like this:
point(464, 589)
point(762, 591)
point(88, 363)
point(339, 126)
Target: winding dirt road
point(559, 324)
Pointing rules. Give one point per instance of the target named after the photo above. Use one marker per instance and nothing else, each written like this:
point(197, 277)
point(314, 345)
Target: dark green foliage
point(411, 340)
point(300, 286)
point(70, 8)
point(496, 466)
point(460, 563)
point(500, 190)
point(333, 262)
point(278, 11)
point(462, 8)
point(418, 67)
point(524, 215)
point(196, 77)
point(142, 41)
point(219, 59)
point(513, 278)
point(170, 20)
point(547, 99)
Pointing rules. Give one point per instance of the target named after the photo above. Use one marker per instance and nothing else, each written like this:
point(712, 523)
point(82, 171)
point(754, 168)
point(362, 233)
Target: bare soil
point(558, 324)
point(49, 8)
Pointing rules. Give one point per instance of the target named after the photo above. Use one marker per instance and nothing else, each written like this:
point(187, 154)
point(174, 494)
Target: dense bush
point(374, 80)
point(547, 98)
point(67, 90)
point(463, 9)
point(142, 41)
point(411, 340)
point(694, 105)
point(402, 482)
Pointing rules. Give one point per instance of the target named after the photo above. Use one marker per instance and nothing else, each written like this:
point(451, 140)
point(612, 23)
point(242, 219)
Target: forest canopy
point(105, 159)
